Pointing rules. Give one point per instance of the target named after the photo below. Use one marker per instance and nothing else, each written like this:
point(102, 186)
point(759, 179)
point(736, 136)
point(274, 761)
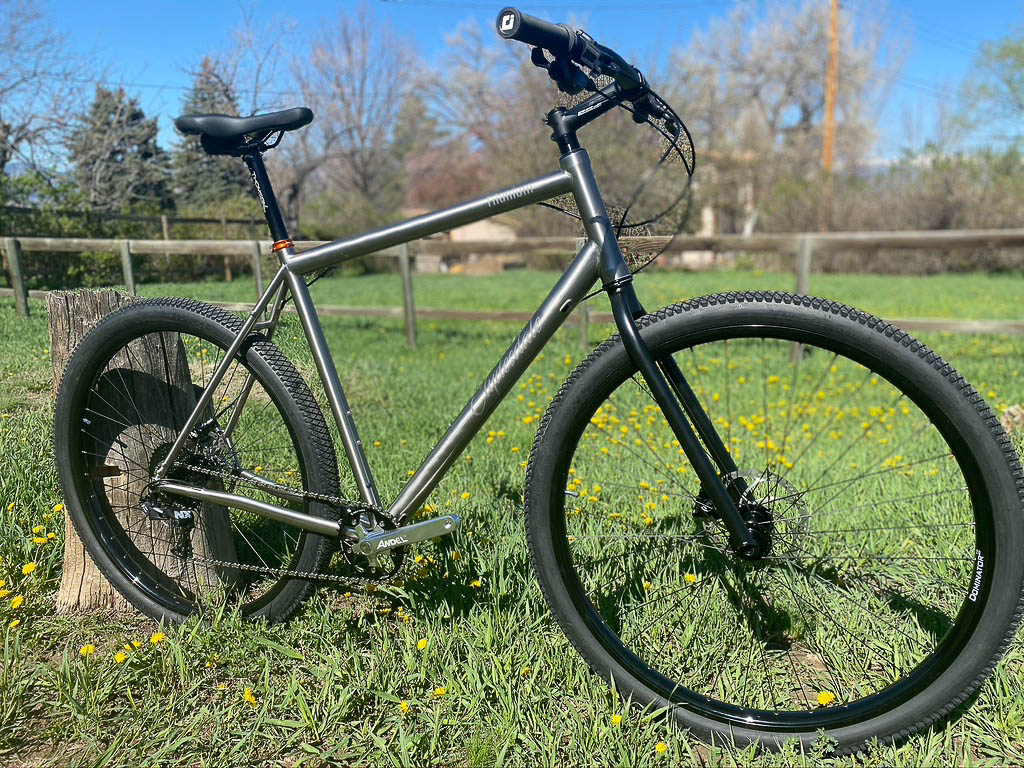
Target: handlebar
point(516, 25)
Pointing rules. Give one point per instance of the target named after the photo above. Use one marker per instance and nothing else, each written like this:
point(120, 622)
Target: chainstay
point(352, 507)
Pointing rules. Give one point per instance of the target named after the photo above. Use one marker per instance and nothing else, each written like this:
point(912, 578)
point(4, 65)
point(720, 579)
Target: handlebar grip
point(516, 25)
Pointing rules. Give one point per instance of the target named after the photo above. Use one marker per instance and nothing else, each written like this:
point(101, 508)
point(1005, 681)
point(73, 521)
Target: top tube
point(528, 193)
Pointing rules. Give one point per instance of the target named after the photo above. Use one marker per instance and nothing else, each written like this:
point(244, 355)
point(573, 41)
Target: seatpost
point(271, 211)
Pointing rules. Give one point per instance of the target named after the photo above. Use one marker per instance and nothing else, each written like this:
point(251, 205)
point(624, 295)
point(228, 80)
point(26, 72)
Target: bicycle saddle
point(224, 134)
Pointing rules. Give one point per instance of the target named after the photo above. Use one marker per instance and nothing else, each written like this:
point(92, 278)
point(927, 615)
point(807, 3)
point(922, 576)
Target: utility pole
point(829, 139)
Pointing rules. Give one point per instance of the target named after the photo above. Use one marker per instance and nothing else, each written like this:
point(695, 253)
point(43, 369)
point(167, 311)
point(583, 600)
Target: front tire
point(890, 492)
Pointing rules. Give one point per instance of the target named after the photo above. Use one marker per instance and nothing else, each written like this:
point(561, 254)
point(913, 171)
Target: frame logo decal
point(507, 21)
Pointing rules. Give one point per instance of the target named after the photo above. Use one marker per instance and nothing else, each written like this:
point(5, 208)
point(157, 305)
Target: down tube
point(571, 287)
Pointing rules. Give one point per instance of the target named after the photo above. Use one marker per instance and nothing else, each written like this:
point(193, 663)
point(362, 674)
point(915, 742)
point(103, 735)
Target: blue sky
point(149, 46)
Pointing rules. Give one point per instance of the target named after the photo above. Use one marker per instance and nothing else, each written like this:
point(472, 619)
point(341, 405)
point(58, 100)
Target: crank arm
point(381, 541)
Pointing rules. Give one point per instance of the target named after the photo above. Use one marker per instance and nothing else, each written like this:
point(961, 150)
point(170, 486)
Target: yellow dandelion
point(39, 529)
point(39, 540)
point(404, 706)
point(136, 644)
point(249, 696)
point(690, 578)
point(422, 644)
point(27, 568)
point(661, 747)
point(58, 507)
point(440, 691)
point(16, 602)
point(456, 555)
point(51, 536)
point(14, 624)
point(157, 638)
point(87, 650)
point(825, 698)
point(465, 495)
point(476, 584)
point(616, 719)
point(120, 657)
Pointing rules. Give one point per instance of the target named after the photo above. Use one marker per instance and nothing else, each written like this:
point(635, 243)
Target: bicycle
point(771, 516)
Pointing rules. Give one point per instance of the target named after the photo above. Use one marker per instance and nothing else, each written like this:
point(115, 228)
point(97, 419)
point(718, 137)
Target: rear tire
point(111, 423)
point(836, 630)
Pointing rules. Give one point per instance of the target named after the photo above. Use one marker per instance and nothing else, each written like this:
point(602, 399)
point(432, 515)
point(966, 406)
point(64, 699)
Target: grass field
point(350, 680)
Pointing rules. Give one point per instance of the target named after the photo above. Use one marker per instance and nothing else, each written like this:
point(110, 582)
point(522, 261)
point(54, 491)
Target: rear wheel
point(885, 487)
point(123, 399)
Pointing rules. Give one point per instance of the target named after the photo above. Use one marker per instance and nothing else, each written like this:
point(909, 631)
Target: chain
point(333, 501)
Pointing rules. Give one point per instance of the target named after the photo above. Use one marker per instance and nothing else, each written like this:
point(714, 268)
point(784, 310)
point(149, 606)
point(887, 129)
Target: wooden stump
point(150, 382)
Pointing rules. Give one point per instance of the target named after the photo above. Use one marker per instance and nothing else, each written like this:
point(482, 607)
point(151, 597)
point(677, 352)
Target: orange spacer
point(280, 244)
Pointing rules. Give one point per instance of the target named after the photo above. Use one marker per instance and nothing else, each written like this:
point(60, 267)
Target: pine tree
point(116, 161)
point(202, 181)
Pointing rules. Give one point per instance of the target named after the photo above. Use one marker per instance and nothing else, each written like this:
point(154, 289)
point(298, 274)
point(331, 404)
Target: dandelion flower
point(157, 638)
point(525, 672)
point(690, 578)
point(4, 593)
point(39, 540)
point(456, 555)
point(465, 495)
point(422, 644)
point(248, 696)
point(16, 602)
point(58, 507)
point(87, 650)
point(476, 584)
point(616, 719)
point(120, 657)
point(136, 644)
point(440, 691)
point(661, 747)
point(27, 568)
point(39, 529)
point(51, 536)
point(404, 706)
point(825, 698)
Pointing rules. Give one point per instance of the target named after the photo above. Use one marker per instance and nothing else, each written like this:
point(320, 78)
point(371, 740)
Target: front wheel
point(888, 493)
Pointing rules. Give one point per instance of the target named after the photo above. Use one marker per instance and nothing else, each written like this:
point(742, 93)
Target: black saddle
point(227, 135)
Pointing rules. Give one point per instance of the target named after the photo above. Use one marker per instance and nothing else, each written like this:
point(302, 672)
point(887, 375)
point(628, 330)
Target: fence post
point(257, 267)
point(804, 250)
point(17, 276)
point(126, 267)
point(164, 226)
point(407, 297)
point(584, 310)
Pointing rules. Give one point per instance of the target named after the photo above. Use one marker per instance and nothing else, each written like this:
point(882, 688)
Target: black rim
point(708, 571)
point(132, 541)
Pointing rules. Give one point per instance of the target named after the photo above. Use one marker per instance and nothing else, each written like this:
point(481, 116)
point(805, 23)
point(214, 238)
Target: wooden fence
point(801, 247)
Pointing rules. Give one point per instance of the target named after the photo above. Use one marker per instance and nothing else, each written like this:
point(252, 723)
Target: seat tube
point(332, 384)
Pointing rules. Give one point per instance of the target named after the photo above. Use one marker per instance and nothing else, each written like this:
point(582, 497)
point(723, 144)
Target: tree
point(753, 92)
point(355, 79)
point(116, 160)
point(202, 180)
point(994, 92)
point(39, 82)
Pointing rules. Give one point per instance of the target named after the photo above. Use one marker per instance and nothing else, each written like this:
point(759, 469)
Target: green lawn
point(496, 681)
point(971, 296)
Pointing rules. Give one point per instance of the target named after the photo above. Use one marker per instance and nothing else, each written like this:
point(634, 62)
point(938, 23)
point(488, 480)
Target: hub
point(771, 507)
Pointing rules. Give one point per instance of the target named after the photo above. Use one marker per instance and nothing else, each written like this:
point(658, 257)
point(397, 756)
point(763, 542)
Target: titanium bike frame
point(600, 258)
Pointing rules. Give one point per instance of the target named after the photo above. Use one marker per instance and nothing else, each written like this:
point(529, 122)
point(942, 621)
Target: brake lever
point(569, 78)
